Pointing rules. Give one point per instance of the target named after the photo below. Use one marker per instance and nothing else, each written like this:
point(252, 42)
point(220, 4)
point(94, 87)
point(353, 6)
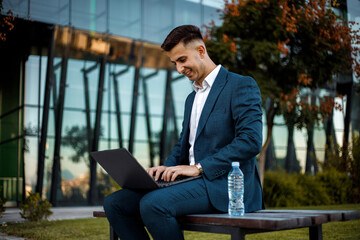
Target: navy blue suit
point(229, 129)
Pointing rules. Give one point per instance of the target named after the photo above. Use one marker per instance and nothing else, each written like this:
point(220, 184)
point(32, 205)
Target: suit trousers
point(128, 211)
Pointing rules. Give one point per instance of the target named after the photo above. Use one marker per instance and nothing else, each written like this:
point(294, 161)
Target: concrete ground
point(59, 213)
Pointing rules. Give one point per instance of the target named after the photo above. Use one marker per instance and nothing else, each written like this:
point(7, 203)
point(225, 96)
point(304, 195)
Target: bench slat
point(253, 220)
point(261, 221)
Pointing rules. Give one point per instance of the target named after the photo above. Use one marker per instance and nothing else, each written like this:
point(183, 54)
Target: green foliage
point(347, 161)
point(2, 203)
point(288, 190)
point(112, 187)
point(337, 185)
point(35, 209)
point(312, 191)
point(280, 189)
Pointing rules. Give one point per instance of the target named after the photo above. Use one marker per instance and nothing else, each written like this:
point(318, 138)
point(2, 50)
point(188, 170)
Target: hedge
point(282, 189)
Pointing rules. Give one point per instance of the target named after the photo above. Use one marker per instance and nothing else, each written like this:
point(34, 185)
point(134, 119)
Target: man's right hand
point(157, 171)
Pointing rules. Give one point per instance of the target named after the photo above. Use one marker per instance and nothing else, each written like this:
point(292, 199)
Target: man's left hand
point(171, 173)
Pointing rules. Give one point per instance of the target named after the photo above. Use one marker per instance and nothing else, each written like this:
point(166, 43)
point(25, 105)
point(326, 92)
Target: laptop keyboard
point(179, 179)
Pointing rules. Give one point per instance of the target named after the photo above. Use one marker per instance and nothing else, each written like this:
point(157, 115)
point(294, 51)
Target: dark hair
point(184, 33)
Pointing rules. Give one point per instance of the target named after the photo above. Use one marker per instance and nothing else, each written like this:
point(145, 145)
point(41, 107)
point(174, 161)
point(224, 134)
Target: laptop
point(128, 173)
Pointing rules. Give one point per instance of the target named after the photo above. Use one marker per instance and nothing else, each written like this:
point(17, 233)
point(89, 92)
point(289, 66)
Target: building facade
point(85, 75)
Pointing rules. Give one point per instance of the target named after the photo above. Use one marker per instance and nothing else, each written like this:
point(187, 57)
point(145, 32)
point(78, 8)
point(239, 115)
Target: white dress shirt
point(199, 102)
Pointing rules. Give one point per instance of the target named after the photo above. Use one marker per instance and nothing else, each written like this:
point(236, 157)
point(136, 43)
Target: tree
point(6, 23)
point(280, 43)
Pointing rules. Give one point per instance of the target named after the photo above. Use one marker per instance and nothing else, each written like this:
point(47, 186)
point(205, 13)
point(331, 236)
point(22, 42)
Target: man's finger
point(158, 172)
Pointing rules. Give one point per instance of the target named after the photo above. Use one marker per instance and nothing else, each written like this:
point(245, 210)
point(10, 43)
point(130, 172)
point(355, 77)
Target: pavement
point(12, 215)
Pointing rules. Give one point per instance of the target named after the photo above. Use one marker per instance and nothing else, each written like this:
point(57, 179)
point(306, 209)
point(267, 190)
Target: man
point(222, 123)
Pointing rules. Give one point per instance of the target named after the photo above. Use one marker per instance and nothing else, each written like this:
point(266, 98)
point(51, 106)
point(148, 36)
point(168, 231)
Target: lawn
point(98, 229)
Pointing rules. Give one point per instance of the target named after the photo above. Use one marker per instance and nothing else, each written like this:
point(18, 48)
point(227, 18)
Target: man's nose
point(179, 68)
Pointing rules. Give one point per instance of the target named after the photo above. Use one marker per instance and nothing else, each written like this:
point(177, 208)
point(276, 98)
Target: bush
point(312, 191)
point(337, 185)
point(346, 161)
point(34, 209)
point(282, 189)
point(2, 203)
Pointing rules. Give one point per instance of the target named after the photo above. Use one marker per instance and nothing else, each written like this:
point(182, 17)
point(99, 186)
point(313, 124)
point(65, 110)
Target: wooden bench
point(260, 221)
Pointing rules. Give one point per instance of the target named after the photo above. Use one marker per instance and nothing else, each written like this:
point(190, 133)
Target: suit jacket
point(229, 129)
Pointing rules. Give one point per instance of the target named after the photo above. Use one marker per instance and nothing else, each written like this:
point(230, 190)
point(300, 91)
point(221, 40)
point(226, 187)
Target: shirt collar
point(209, 79)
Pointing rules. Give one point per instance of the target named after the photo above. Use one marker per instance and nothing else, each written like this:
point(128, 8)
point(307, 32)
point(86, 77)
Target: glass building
point(87, 75)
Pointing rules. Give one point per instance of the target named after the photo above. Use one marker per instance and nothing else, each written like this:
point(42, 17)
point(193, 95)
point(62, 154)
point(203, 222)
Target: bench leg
point(315, 232)
point(237, 234)
point(113, 235)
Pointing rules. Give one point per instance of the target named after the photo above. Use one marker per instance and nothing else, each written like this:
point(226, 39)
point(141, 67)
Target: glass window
point(74, 173)
point(31, 120)
point(125, 123)
point(124, 18)
point(50, 11)
point(126, 86)
point(31, 162)
point(141, 153)
point(89, 15)
point(18, 7)
point(187, 12)
point(210, 14)
point(158, 20)
point(32, 80)
point(280, 138)
point(180, 89)
point(156, 91)
point(141, 129)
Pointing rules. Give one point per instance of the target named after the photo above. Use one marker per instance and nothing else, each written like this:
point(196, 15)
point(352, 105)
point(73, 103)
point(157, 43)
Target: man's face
point(189, 60)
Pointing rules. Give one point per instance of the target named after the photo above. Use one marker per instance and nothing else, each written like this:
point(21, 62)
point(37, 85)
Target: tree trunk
point(310, 154)
point(270, 114)
point(290, 160)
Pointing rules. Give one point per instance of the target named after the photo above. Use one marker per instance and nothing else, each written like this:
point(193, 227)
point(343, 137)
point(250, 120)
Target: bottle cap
point(237, 164)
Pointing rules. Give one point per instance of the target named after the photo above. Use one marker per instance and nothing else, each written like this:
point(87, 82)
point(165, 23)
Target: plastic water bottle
point(236, 190)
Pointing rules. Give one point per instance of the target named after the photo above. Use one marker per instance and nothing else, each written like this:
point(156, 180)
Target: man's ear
point(201, 50)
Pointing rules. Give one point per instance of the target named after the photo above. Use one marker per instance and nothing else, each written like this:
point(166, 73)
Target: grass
point(98, 228)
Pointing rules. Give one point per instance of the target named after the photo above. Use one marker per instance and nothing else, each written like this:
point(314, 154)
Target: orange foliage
point(327, 105)
point(283, 48)
point(338, 33)
point(7, 24)
point(225, 38)
point(233, 47)
point(304, 79)
point(232, 7)
point(337, 36)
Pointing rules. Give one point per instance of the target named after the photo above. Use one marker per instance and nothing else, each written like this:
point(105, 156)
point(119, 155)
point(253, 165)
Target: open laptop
point(128, 173)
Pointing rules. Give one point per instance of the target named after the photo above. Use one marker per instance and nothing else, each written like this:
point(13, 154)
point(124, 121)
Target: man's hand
point(156, 171)
point(171, 173)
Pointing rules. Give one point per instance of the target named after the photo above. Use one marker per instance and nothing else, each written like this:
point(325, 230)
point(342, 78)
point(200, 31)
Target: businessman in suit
point(222, 123)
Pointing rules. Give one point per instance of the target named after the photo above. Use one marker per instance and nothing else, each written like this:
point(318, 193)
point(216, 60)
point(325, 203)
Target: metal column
point(56, 169)
point(134, 109)
point(45, 117)
point(117, 103)
point(93, 196)
point(147, 116)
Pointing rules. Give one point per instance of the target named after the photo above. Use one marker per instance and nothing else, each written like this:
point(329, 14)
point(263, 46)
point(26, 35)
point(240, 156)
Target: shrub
point(2, 203)
point(313, 193)
point(346, 161)
point(281, 189)
point(34, 209)
point(337, 185)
